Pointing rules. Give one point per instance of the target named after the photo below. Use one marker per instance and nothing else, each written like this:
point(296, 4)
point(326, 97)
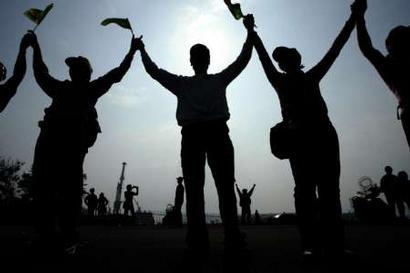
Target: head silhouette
point(80, 69)
point(288, 59)
point(180, 179)
point(402, 175)
point(102, 194)
point(3, 72)
point(244, 191)
point(388, 169)
point(200, 58)
point(92, 190)
point(398, 41)
point(129, 187)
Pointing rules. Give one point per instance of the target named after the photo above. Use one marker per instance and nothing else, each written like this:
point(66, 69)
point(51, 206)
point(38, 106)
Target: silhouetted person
point(128, 205)
point(68, 130)
point(9, 88)
point(315, 161)
point(91, 200)
point(245, 203)
point(179, 201)
point(202, 112)
point(389, 186)
point(402, 193)
point(102, 205)
point(257, 219)
point(393, 68)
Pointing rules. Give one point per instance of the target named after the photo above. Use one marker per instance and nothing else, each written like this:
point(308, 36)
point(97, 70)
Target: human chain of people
point(306, 136)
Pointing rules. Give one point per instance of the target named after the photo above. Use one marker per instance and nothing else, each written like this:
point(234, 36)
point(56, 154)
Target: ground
point(155, 249)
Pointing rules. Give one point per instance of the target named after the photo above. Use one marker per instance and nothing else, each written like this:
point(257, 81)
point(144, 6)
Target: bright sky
point(138, 115)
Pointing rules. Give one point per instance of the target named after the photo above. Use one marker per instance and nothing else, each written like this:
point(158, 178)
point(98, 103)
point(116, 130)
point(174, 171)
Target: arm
point(238, 190)
point(252, 189)
point(104, 83)
point(136, 190)
point(47, 83)
point(233, 70)
point(320, 70)
point(365, 43)
point(166, 79)
point(9, 89)
point(270, 70)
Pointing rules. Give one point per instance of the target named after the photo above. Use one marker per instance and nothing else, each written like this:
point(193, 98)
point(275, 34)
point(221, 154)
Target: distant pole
point(117, 202)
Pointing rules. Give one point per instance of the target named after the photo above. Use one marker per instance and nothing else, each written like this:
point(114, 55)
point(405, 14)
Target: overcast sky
point(138, 115)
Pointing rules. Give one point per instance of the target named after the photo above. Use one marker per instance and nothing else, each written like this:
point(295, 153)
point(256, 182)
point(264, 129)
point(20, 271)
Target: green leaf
point(122, 22)
point(38, 15)
point(235, 9)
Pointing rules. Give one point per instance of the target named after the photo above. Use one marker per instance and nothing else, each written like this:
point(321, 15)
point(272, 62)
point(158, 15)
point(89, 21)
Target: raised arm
point(104, 83)
point(252, 189)
point(9, 88)
point(168, 80)
point(320, 70)
point(47, 83)
point(233, 70)
point(238, 190)
point(365, 43)
point(270, 70)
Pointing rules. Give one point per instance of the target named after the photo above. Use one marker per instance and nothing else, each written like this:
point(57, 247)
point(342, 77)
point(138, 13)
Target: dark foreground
point(271, 249)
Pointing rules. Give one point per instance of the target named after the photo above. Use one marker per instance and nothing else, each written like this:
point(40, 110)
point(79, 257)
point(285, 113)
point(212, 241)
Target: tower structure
point(118, 193)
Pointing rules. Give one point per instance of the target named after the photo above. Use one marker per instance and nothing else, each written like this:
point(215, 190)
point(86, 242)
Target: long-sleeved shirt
point(200, 97)
point(299, 92)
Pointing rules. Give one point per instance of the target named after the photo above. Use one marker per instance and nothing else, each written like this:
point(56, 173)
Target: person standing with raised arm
point(245, 203)
point(202, 112)
point(314, 160)
point(68, 130)
point(9, 88)
point(393, 68)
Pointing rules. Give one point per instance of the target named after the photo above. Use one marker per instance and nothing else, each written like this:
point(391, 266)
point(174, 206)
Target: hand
point(249, 22)
point(359, 8)
point(26, 41)
point(31, 38)
point(137, 43)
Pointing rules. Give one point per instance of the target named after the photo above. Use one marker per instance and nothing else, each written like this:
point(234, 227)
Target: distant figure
point(315, 161)
point(102, 205)
point(245, 203)
point(91, 201)
point(393, 68)
point(179, 200)
point(403, 197)
point(202, 112)
point(389, 186)
point(9, 88)
point(69, 128)
point(128, 205)
point(257, 219)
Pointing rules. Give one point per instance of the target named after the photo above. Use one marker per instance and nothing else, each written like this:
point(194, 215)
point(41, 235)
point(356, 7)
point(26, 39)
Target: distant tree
point(9, 178)
point(25, 185)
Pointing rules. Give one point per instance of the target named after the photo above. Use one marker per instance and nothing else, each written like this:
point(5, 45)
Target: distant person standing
point(69, 128)
point(9, 88)
point(394, 68)
point(179, 201)
point(389, 186)
point(91, 201)
point(128, 205)
point(245, 203)
point(102, 205)
point(257, 219)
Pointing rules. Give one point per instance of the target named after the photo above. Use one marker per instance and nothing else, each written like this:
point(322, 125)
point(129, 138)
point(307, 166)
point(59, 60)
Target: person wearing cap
point(394, 68)
point(68, 130)
point(202, 112)
point(9, 88)
point(315, 161)
point(179, 201)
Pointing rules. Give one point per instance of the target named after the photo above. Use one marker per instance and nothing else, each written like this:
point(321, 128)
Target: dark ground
point(152, 249)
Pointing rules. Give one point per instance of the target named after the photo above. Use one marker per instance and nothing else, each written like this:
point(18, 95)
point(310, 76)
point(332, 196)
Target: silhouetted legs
point(198, 142)
point(58, 178)
point(316, 170)
point(246, 217)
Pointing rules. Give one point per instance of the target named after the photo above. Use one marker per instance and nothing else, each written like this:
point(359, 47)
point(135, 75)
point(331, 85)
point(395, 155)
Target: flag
point(235, 9)
point(122, 22)
point(37, 15)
